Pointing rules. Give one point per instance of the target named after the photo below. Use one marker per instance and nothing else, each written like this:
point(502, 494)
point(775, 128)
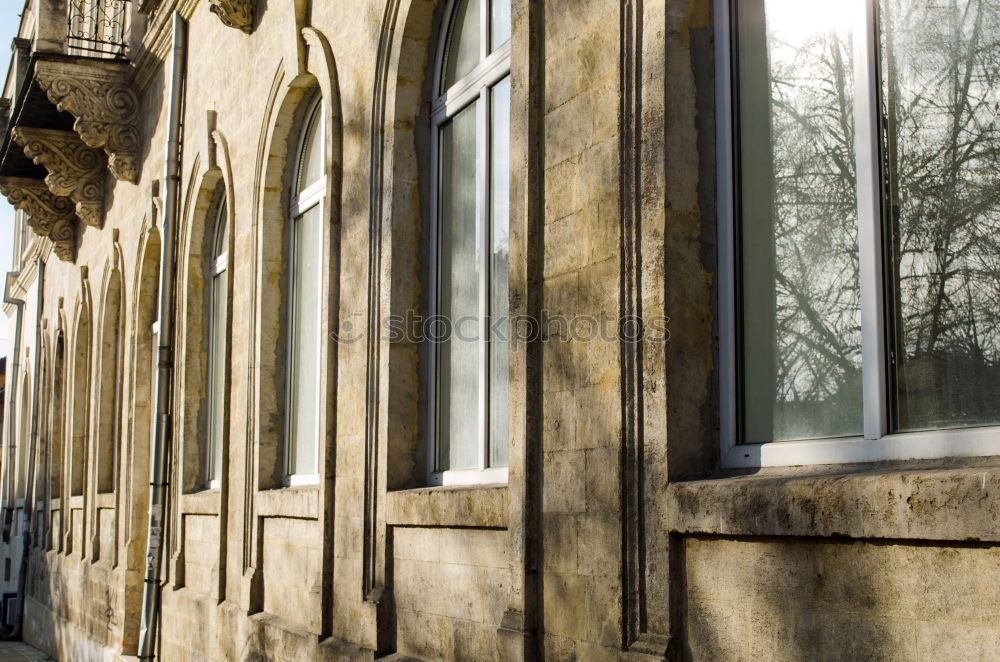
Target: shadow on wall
point(837, 599)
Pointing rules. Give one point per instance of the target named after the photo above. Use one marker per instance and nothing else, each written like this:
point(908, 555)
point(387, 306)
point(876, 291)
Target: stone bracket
point(49, 215)
point(75, 170)
point(105, 106)
point(237, 14)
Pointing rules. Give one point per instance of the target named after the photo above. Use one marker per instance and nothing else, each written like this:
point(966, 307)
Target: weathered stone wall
point(616, 536)
point(796, 599)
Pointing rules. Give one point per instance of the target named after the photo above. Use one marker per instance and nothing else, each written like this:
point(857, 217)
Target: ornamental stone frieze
point(237, 14)
point(105, 106)
point(49, 215)
point(75, 170)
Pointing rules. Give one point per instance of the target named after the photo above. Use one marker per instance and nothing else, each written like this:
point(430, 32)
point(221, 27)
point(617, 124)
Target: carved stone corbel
point(75, 170)
point(105, 106)
point(237, 14)
point(49, 215)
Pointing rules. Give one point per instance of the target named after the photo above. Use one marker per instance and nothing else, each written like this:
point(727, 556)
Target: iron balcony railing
point(99, 28)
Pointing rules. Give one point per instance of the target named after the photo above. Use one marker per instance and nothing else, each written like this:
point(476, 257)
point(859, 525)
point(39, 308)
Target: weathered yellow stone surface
point(615, 537)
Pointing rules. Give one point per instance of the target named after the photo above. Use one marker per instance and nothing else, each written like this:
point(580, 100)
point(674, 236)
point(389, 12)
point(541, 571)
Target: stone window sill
point(953, 500)
point(290, 502)
point(479, 506)
point(206, 502)
point(105, 500)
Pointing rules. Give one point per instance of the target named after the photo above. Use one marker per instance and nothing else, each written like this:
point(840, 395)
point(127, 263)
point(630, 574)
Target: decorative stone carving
point(105, 106)
point(237, 14)
point(49, 215)
point(75, 170)
point(147, 7)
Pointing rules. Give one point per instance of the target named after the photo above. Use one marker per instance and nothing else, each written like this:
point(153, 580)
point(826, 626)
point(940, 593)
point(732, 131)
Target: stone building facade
point(295, 149)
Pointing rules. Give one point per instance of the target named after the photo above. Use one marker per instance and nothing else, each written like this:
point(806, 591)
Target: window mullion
point(866, 119)
point(435, 215)
point(484, 29)
point(482, 230)
point(725, 84)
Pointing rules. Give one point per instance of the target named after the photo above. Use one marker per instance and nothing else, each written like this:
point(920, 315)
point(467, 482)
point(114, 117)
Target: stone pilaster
point(49, 215)
point(75, 170)
point(237, 14)
point(105, 106)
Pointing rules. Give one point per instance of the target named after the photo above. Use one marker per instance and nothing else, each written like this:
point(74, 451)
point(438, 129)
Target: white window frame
point(299, 204)
point(473, 88)
point(876, 444)
point(218, 265)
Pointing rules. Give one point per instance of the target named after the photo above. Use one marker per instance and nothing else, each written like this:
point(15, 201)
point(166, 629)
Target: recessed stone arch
point(79, 384)
point(144, 340)
point(39, 445)
point(292, 93)
point(57, 432)
point(79, 412)
point(110, 358)
point(211, 194)
point(279, 147)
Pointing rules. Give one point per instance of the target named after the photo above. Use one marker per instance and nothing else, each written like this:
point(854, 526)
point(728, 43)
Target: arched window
point(304, 259)
point(218, 352)
point(110, 403)
point(470, 243)
point(79, 408)
point(57, 441)
point(58, 437)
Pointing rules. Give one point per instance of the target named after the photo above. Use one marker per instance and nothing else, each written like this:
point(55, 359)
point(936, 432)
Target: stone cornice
point(75, 170)
point(104, 104)
point(237, 14)
point(49, 215)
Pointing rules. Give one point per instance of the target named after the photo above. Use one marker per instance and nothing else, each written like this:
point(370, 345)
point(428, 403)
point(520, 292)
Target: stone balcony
point(70, 119)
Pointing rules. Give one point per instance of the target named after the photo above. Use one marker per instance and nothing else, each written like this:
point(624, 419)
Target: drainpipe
point(15, 366)
point(29, 488)
point(159, 478)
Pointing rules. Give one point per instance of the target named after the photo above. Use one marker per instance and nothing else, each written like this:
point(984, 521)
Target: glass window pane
point(311, 166)
point(941, 67)
point(499, 276)
point(217, 375)
point(305, 336)
point(221, 233)
point(797, 226)
point(463, 52)
point(500, 23)
point(459, 364)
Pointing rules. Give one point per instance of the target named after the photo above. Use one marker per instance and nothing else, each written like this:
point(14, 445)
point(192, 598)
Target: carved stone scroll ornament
point(49, 215)
point(106, 109)
point(237, 14)
point(75, 170)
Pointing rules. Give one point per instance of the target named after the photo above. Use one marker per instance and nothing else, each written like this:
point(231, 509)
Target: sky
point(9, 20)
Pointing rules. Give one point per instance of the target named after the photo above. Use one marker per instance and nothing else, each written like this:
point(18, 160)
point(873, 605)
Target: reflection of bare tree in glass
point(941, 63)
point(817, 310)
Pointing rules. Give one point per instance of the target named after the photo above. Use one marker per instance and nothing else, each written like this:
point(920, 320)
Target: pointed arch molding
point(49, 215)
point(105, 106)
point(237, 14)
point(75, 170)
